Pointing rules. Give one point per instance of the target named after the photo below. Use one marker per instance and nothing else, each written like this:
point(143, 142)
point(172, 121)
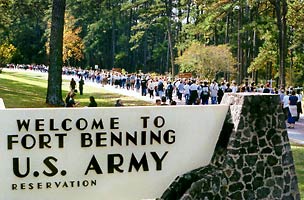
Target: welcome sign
point(103, 153)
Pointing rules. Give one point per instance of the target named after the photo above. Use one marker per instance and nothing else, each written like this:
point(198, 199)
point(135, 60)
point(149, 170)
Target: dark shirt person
point(67, 98)
point(92, 102)
point(266, 89)
point(163, 101)
point(118, 103)
point(173, 103)
point(81, 83)
point(73, 84)
point(71, 102)
point(292, 114)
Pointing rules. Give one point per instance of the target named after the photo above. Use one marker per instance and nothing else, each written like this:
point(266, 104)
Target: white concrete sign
point(2, 106)
point(103, 153)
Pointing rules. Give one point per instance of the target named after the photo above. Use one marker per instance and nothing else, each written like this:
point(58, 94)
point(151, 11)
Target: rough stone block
point(252, 159)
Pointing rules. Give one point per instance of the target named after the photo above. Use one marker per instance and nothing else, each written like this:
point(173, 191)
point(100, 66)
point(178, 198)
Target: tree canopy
point(265, 38)
point(207, 61)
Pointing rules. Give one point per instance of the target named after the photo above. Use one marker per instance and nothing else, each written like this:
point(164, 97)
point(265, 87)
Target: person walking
point(213, 91)
point(151, 86)
point(228, 89)
point(220, 92)
point(234, 87)
point(292, 114)
point(180, 90)
point(205, 93)
point(72, 84)
point(299, 104)
point(187, 92)
point(81, 83)
point(144, 86)
point(193, 93)
point(169, 91)
point(160, 88)
point(285, 103)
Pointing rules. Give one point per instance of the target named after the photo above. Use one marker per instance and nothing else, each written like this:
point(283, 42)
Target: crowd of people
point(187, 91)
point(190, 91)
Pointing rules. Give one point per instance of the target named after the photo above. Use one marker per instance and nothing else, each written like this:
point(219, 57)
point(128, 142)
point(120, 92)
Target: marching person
point(299, 104)
point(213, 91)
point(292, 114)
point(81, 83)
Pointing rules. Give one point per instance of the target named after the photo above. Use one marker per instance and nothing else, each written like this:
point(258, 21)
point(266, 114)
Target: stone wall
point(252, 159)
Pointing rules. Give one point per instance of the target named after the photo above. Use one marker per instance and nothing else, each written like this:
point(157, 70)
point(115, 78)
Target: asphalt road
point(297, 134)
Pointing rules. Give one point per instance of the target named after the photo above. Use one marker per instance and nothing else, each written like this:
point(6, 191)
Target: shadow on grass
point(15, 94)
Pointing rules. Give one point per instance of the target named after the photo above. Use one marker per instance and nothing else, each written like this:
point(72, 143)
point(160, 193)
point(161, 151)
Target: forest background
point(255, 40)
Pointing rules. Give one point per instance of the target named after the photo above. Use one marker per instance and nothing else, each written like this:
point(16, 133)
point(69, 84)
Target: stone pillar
point(252, 159)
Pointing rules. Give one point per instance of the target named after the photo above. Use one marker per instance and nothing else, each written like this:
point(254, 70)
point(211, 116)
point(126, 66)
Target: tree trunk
point(129, 32)
point(145, 53)
point(239, 49)
point(281, 11)
point(54, 91)
point(284, 39)
point(188, 11)
point(170, 43)
point(113, 39)
point(227, 29)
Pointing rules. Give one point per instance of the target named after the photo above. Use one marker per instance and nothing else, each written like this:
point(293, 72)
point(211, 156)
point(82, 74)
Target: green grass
point(298, 155)
point(28, 90)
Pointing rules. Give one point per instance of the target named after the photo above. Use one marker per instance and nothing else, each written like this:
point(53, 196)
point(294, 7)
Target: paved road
point(297, 134)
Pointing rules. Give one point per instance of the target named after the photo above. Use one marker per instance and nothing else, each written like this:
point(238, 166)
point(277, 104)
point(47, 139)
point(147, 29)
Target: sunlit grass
point(298, 156)
point(28, 90)
point(18, 92)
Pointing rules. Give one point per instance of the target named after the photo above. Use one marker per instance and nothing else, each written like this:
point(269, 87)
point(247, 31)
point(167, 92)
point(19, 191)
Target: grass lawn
point(28, 90)
point(298, 156)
